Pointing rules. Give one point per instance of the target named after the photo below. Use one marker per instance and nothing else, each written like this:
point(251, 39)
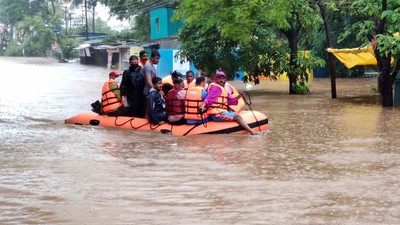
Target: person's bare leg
point(243, 123)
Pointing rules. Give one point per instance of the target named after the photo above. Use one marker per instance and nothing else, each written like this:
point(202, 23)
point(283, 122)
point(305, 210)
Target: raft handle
point(165, 131)
point(94, 122)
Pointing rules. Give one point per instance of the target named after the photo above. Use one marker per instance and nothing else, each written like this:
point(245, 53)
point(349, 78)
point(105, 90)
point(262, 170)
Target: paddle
point(248, 103)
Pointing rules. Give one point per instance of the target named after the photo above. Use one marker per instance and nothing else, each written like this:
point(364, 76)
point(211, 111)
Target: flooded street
point(323, 161)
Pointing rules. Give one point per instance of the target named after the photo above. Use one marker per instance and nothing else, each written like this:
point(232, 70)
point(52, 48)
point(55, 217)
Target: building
point(163, 31)
point(163, 38)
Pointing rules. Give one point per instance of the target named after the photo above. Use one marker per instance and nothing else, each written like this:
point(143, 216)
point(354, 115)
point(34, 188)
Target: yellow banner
point(351, 57)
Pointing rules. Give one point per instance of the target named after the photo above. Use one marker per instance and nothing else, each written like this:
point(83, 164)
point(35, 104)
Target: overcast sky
point(103, 13)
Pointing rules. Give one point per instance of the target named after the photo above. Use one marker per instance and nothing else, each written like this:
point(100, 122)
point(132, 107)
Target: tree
point(292, 17)
point(264, 31)
point(141, 30)
point(10, 15)
point(328, 34)
point(211, 53)
point(36, 35)
point(102, 27)
point(39, 27)
point(377, 23)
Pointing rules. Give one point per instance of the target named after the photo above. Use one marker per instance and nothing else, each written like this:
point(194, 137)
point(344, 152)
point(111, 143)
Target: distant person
point(218, 100)
point(156, 103)
point(132, 86)
point(194, 99)
point(175, 100)
point(208, 80)
point(111, 100)
point(189, 82)
point(149, 71)
point(144, 58)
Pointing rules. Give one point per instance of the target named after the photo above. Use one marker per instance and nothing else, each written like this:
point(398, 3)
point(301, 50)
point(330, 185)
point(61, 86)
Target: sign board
point(177, 65)
point(87, 51)
point(135, 50)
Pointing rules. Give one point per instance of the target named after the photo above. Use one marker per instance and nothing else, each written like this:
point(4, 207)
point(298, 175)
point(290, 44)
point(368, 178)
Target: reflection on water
point(323, 161)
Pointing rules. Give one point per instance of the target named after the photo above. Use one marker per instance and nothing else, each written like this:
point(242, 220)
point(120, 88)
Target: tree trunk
point(385, 84)
point(332, 70)
point(384, 80)
point(292, 38)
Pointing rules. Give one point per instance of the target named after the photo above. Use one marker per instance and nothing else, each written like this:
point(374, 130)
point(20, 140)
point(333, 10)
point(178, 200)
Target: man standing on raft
point(218, 100)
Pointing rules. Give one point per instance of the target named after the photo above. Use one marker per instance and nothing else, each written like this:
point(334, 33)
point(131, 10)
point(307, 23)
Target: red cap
point(114, 74)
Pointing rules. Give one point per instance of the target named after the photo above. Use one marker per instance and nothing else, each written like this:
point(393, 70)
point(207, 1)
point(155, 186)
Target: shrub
point(301, 88)
point(373, 89)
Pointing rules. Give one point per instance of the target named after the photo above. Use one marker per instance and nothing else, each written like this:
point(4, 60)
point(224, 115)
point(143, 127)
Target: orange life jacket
point(109, 100)
point(193, 103)
point(167, 80)
point(235, 93)
point(221, 104)
point(191, 84)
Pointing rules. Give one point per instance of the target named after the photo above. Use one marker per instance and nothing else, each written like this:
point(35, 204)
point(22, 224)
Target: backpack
point(96, 107)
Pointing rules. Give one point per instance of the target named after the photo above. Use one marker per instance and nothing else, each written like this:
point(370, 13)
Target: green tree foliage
point(13, 49)
point(258, 36)
point(102, 27)
point(38, 24)
point(208, 50)
point(301, 88)
point(338, 16)
point(141, 30)
point(11, 12)
point(36, 35)
point(381, 19)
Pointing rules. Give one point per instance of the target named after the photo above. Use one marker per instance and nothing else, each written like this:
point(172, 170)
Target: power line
point(142, 8)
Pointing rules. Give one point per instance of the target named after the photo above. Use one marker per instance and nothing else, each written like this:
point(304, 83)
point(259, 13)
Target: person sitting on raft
point(208, 81)
point(189, 82)
point(194, 99)
point(175, 100)
point(156, 103)
point(111, 100)
point(218, 100)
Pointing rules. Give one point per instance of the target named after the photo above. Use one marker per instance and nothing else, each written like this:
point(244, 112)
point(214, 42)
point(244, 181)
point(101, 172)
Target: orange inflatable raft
point(256, 120)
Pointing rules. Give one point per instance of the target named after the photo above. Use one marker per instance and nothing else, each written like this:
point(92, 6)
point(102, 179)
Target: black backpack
point(96, 107)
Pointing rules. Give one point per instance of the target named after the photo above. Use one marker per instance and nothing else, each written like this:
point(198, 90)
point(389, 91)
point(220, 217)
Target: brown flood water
point(323, 161)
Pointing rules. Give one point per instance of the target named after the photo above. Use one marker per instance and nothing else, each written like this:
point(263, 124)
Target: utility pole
point(86, 22)
point(93, 15)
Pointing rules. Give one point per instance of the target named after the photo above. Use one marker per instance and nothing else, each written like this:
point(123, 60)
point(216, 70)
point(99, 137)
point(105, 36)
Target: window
point(158, 24)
